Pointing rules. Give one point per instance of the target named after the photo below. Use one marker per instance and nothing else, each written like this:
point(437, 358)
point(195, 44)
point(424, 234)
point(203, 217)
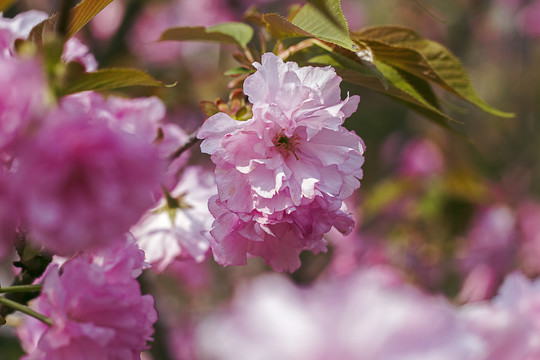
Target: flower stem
point(32, 266)
point(21, 288)
point(25, 310)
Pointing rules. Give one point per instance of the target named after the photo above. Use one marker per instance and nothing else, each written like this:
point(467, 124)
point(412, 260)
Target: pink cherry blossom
point(94, 315)
point(286, 170)
point(371, 315)
point(277, 242)
point(167, 234)
point(82, 185)
point(121, 260)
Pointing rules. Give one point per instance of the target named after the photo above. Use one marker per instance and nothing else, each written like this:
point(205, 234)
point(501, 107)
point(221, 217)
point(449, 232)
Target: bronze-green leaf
point(281, 28)
point(4, 4)
point(79, 16)
point(107, 79)
point(83, 13)
point(227, 33)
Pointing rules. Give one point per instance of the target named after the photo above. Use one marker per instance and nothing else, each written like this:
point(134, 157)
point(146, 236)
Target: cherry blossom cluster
point(77, 172)
point(78, 175)
point(282, 175)
point(96, 305)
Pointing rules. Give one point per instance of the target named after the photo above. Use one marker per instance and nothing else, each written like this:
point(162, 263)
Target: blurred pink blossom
point(371, 315)
point(17, 28)
point(168, 234)
point(510, 325)
point(355, 250)
point(101, 316)
point(530, 19)
point(20, 108)
point(8, 215)
point(82, 185)
point(421, 157)
point(106, 23)
point(192, 276)
point(141, 117)
point(491, 242)
point(283, 174)
point(529, 226)
point(479, 284)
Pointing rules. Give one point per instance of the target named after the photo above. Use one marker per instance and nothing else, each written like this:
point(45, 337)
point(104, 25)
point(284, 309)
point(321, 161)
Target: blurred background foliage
point(427, 194)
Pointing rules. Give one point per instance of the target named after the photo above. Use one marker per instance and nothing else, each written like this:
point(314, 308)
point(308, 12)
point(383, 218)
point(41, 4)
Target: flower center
point(286, 145)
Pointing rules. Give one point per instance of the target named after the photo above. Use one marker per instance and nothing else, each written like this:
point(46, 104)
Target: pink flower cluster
point(282, 176)
point(371, 315)
point(96, 306)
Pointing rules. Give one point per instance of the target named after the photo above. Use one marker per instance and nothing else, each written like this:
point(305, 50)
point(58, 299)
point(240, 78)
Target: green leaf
point(406, 88)
point(240, 70)
point(241, 32)
point(5, 4)
point(323, 7)
point(400, 90)
point(310, 19)
point(227, 33)
point(107, 79)
point(413, 87)
point(404, 48)
point(321, 54)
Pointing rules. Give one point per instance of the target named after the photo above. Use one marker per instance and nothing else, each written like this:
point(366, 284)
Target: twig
point(191, 140)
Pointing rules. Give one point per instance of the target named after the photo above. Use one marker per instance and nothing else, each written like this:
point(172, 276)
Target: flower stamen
point(286, 145)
